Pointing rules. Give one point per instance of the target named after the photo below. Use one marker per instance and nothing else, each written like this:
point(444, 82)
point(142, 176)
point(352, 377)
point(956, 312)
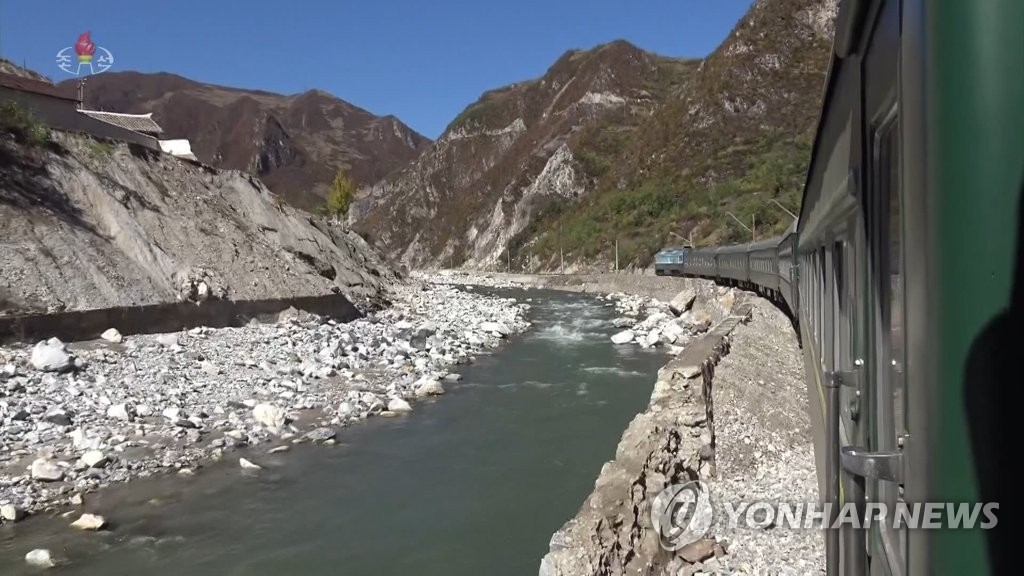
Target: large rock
point(650, 339)
point(91, 522)
point(46, 470)
point(112, 335)
point(269, 416)
point(11, 513)
point(82, 441)
point(51, 356)
point(321, 435)
point(121, 412)
point(496, 327)
point(94, 459)
point(428, 387)
point(247, 465)
point(624, 337)
point(398, 405)
point(683, 301)
point(40, 558)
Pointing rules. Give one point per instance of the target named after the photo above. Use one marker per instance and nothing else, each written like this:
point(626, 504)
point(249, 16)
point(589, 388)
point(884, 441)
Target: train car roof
point(848, 23)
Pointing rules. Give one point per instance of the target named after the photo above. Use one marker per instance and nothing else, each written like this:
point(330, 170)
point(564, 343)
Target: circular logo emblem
point(682, 514)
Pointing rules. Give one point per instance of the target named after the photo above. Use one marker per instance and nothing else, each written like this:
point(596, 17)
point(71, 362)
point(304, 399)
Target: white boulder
point(398, 405)
point(51, 356)
point(112, 335)
point(624, 337)
point(269, 416)
point(46, 470)
point(40, 558)
point(90, 522)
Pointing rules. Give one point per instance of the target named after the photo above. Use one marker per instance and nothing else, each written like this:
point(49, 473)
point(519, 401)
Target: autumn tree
point(341, 194)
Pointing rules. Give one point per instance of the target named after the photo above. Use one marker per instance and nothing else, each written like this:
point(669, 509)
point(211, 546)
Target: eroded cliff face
point(509, 154)
point(91, 224)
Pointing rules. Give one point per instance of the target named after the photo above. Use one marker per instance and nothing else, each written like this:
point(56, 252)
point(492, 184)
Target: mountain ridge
point(483, 165)
point(523, 179)
point(294, 142)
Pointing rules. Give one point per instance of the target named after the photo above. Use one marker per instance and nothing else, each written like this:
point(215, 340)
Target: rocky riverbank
point(729, 410)
point(75, 418)
point(661, 288)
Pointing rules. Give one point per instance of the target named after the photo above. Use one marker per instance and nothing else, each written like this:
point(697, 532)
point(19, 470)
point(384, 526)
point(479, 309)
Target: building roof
point(34, 86)
point(134, 122)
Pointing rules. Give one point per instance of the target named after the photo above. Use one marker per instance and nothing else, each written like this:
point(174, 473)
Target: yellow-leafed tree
point(340, 196)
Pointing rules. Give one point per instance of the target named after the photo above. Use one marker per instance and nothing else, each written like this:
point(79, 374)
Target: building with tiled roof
point(142, 123)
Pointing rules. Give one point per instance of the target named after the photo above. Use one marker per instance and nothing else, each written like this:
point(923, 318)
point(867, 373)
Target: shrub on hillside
point(22, 124)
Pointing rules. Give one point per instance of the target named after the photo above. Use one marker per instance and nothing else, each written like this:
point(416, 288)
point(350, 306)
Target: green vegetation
point(341, 194)
point(643, 216)
point(100, 149)
point(23, 124)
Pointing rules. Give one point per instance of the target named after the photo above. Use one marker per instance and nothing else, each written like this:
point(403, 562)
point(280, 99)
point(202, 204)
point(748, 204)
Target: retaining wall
point(167, 317)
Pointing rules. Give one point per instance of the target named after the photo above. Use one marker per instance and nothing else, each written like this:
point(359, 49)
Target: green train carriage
point(905, 274)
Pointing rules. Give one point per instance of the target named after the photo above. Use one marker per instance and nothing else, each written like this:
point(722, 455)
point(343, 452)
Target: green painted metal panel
point(975, 76)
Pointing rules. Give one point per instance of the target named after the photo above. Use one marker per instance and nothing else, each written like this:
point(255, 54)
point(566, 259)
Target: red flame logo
point(84, 46)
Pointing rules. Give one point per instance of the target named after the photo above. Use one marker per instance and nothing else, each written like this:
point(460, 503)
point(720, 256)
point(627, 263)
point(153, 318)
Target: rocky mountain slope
point(8, 67)
point(642, 147)
point(513, 151)
point(293, 143)
point(91, 224)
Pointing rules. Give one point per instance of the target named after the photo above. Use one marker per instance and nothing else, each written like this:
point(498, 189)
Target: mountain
point(8, 67)
point(295, 144)
point(516, 149)
point(616, 150)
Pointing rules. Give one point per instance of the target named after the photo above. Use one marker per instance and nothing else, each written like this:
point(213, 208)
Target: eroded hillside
point(90, 224)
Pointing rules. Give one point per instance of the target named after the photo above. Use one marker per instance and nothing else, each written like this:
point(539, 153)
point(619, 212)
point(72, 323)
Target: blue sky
point(422, 61)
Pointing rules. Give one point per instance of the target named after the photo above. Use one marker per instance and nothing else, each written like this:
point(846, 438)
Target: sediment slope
point(92, 224)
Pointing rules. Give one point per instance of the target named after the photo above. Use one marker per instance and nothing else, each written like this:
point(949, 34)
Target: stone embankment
point(75, 418)
point(729, 410)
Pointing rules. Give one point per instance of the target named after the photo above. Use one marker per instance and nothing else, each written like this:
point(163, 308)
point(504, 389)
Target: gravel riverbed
point(75, 418)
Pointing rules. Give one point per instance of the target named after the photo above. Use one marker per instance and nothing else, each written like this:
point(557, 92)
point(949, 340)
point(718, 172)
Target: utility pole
point(508, 264)
point(740, 222)
point(561, 253)
point(81, 94)
point(616, 255)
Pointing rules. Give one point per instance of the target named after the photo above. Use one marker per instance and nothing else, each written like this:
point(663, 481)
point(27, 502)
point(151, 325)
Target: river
point(473, 483)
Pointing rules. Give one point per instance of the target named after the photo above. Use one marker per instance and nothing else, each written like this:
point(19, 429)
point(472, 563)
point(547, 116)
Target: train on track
point(904, 274)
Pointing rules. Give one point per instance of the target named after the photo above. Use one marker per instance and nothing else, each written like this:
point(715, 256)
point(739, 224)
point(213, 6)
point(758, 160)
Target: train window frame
point(889, 391)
